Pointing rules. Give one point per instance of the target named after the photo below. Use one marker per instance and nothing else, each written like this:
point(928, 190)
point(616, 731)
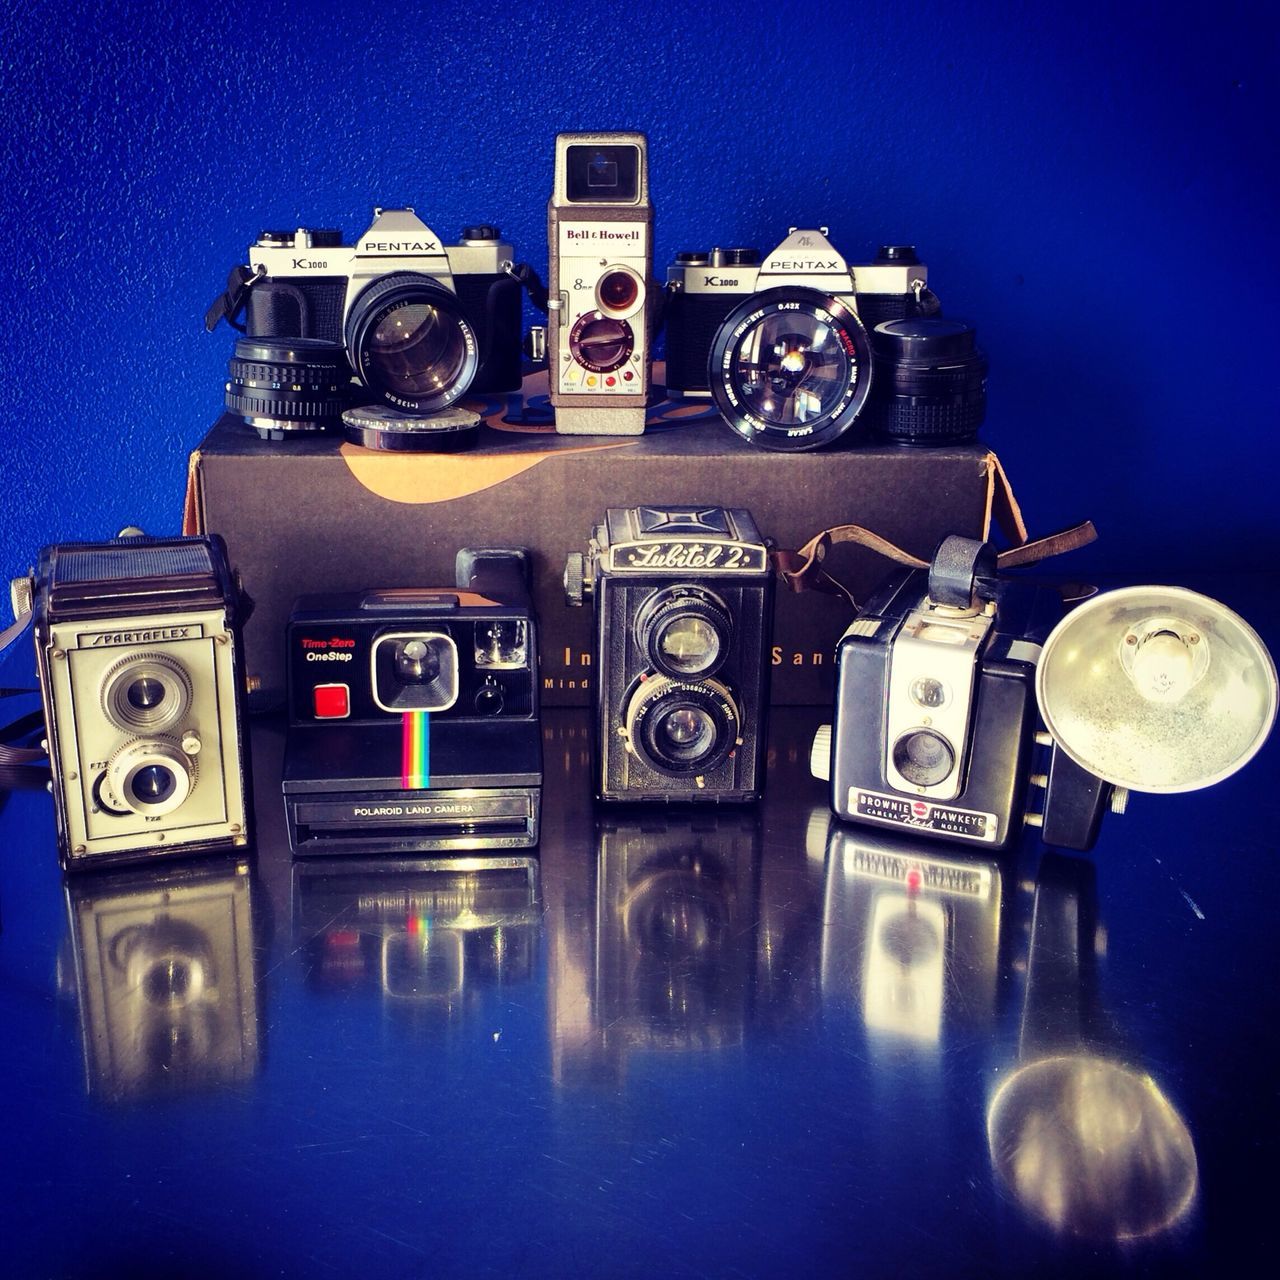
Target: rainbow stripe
point(415, 751)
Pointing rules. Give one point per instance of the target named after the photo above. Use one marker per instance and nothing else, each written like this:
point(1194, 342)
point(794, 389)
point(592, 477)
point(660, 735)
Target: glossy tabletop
point(741, 1043)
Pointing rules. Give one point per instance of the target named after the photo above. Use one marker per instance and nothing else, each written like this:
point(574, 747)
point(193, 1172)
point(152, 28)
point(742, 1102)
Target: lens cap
point(445, 432)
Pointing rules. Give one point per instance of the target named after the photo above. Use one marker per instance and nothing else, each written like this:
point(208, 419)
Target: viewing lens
point(689, 644)
point(146, 693)
point(685, 630)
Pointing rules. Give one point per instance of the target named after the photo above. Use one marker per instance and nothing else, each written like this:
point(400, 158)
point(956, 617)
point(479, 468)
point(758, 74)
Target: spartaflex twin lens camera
point(419, 322)
point(684, 617)
point(413, 716)
point(935, 711)
point(137, 649)
point(782, 344)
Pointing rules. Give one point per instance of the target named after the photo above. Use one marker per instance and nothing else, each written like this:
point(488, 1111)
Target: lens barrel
point(682, 727)
point(930, 385)
point(285, 386)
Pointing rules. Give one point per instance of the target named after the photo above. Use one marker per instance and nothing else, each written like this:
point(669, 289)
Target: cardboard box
point(318, 514)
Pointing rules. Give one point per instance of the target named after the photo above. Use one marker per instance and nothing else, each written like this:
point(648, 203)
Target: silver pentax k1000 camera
point(684, 617)
point(138, 658)
point(935, 712)
point(781, 343)
point(600, 245)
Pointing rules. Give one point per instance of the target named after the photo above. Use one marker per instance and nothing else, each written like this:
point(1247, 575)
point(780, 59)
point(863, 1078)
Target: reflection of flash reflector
point(905, 967)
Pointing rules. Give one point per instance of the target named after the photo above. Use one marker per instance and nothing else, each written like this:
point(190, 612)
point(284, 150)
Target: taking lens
point(281, 386)
point(415, 672)
point(618, 291)
point(411, 343)
point(790, 368)
point(682, 727)
point(923, 758)
point(152, 784)
point(149, 777)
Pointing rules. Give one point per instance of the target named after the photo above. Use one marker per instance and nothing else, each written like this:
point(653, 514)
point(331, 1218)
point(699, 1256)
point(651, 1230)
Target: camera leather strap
point(230, 302)
point(803, 571)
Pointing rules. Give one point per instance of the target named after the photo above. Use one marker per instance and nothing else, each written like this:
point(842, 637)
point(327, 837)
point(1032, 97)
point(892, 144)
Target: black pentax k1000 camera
point(413, 716)
point(935, 711)
point(684, 617)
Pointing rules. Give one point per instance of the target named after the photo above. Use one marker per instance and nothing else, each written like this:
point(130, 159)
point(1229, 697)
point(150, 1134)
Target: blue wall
point(1093, 185)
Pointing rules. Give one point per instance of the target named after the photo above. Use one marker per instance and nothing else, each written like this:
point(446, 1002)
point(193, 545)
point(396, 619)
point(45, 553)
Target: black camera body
point(935, 710)
point(422, 323)
point(413, 716)
point(684, 619)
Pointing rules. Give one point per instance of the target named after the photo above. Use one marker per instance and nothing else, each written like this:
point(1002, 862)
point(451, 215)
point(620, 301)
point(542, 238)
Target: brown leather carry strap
point(803, 571)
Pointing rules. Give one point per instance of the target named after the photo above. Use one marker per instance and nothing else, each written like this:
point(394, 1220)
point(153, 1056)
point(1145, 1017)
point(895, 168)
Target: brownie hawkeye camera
point(420, 323)
point(781, 344)
point(684, 618)
point(137, 649)
point(413, 716)
point(935, 700)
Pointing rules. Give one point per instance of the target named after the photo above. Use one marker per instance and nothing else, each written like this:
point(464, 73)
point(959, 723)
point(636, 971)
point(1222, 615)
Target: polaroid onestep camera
point(138, 655)
point(782, 345)
point(600, 246)
point(413, 716)
point(420, 323)
point(684, 619)
point(935, 700)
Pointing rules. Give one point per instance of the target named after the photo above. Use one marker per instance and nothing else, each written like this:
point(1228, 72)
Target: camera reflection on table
point(163, 969)
point(428, 934)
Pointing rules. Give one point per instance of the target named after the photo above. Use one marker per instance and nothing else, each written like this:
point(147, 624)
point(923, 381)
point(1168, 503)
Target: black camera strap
point(231, 301)
point(803, 570)
point(18, 753)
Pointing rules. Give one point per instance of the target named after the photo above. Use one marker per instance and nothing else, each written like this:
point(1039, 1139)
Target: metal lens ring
point(684, 631)
point(682, 727)
point(146, 693)
point(151, 776)
point(619, 292)
point(924, 758)
point(411, 343)
point(790, 368)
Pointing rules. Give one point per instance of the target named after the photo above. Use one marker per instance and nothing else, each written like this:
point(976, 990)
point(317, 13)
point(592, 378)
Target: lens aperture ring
point(280, 385)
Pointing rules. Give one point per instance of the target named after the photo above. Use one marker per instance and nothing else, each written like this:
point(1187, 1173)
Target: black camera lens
point(415, 672)
point(684, 630)
point(411, 343)
point(923, 758)
point(790, 369)
point(280, 386)
point(417, 661)
point(930, 385)
point(680, 727)
point(152, 784)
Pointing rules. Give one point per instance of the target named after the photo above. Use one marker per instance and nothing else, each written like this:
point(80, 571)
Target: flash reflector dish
point(1157, 689)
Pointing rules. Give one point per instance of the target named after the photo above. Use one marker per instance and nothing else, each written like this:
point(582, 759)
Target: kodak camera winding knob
point(820, 753)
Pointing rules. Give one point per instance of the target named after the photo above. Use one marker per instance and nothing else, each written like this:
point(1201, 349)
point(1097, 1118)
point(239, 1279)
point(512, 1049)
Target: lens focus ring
point(151, 776)
point(280, 385)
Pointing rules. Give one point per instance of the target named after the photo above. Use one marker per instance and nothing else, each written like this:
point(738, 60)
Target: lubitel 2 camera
point(781, 343)
point(684, 616)
point(413, 716)
point(935, 711)
point(137, 650)
point(419, 322)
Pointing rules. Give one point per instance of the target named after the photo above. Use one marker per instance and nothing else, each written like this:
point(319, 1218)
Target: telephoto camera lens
point(286, 386)
point(930, 384)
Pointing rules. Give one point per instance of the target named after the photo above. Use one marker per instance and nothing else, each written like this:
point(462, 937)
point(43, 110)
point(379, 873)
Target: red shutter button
point(332, 701)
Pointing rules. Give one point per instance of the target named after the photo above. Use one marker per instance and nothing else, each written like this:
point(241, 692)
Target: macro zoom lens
point(930, 385)
point(281, 386)
point(790, 368)
point(411, 343)
point(682, 727)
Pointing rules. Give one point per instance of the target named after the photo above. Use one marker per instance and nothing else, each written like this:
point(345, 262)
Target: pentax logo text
point(142, 635)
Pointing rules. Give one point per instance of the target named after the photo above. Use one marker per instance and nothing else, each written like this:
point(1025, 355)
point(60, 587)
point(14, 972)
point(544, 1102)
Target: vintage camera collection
point(962, 694)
